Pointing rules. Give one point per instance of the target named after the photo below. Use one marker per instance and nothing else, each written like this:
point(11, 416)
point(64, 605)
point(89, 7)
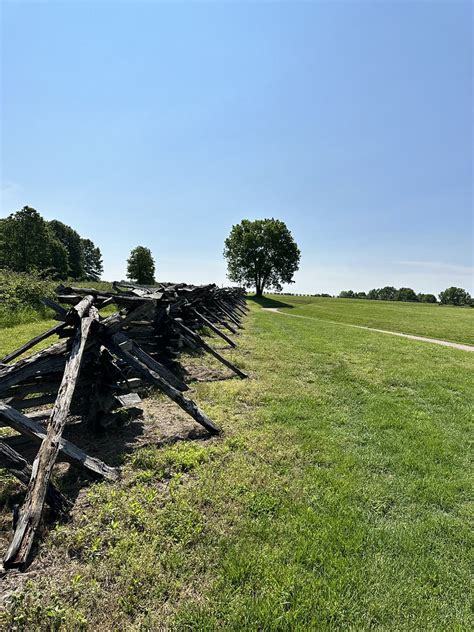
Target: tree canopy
point(426, 298)
point(91, 260)
point(387, 293)
point(346, 294)
point(141, 266)
point(27, 243)
point(71, 240)
point(30, 243)
point(450, 296)
point(455, 296)
point(390, 293)
point(262, 254)
point(406, 294)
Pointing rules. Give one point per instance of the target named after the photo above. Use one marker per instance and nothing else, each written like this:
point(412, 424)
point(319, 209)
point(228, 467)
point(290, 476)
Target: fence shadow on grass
point(266, 301)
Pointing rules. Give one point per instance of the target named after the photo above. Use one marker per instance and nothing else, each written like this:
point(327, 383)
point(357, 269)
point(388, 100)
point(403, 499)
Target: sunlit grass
point(338, 498)
point(423, 319)
point(13, 337)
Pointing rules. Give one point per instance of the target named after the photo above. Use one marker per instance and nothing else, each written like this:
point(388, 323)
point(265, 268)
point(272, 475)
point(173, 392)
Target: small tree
point(346, 294)
point(261, 253)
point(455, 296)
point(373, 294)
point(141, 266)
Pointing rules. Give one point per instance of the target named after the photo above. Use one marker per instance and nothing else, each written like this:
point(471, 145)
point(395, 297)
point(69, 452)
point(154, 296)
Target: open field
point(422, 319)
point(337, 499)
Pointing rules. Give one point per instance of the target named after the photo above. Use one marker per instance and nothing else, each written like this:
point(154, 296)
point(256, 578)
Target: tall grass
point(22, 316)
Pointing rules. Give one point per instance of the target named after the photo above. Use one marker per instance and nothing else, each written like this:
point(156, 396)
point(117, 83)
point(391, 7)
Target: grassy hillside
point(423, 319)
point(338, 498)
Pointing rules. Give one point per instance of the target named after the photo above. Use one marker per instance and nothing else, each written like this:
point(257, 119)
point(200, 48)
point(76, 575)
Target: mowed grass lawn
point(455, 324)
point(338, 498)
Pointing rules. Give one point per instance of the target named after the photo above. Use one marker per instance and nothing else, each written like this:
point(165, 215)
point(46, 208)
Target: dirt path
point(444, 343)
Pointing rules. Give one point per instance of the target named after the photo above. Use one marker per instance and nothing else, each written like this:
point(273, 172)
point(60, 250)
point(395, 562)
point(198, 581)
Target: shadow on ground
point(265, 301)
point(158, 422)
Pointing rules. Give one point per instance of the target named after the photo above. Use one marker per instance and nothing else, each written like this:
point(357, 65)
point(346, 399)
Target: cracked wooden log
point(48, 360)
point(31, 343)
point(31, 402)
point(234, 308)
point(60, 314)
point(41, 384)
point(53, 359)
point(121, 339)
point(239, 308)
point(233, 318)
point(116, 322)
point(186, 404)
point(213, 328)
point(200, 342)
point(220, 320)
point(32, 508)
point(21, 469)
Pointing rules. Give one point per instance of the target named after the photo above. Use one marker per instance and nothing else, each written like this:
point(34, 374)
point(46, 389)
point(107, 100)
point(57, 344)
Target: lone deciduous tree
point(261, 253)
point(141, 266)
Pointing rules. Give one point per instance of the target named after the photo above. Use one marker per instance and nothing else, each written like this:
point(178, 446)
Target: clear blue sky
point(164, 124)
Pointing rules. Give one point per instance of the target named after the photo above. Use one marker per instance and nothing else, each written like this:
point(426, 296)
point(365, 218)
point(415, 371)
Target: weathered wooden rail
point(101, 364)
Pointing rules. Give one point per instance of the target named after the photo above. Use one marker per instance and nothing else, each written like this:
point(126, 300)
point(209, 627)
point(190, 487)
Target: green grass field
point(338, 497)
point(455, 324)
point(13, 337)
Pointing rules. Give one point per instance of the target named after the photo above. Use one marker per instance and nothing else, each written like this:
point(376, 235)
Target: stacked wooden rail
point(101, 363)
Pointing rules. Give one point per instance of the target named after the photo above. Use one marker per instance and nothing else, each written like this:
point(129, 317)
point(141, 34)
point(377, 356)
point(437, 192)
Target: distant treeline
point(450, 296)
point(29, 243)
point(323, 295)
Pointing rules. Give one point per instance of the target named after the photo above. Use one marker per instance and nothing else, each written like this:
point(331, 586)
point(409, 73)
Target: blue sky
point(164, 124)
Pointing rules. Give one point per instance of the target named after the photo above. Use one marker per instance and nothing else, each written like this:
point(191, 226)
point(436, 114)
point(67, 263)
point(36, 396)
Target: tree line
point(261, 253)
point(449, 296)
point(29, 243)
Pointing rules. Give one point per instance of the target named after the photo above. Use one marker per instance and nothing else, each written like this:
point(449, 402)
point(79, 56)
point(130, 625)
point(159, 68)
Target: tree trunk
point(258, 291)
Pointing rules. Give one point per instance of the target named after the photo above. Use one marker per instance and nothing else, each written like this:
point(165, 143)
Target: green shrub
point(20, 297)
point(24, 289)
